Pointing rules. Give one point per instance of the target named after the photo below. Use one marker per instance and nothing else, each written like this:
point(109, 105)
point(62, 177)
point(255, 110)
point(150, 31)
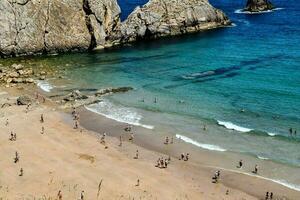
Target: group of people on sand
point(163, 163)
point(240, 165)
point(168, 141)
point(184, 157)
point(293, 132)
point(216, 176)
point(13, 136)
point(269, 195)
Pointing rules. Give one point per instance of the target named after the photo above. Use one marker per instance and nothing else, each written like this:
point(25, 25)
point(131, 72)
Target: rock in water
point(258, 5)
point(24, 100)
point(75, 95)
point(160, 18)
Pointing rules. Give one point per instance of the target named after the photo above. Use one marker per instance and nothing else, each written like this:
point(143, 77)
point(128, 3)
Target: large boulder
point(160, 18)
point(258, 5)
point(24, 100)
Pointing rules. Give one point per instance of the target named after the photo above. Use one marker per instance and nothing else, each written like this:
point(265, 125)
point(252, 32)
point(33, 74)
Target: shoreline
point(237, 183)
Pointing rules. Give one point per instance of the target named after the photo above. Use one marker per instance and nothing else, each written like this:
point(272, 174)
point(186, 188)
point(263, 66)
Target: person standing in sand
point(16, 159)
point(21, 172)
point(255, 169)
point(131, 137)
point(240, 164)
point(82, 195)
point(42, 118)
point(43, 130)
point(59, 195)
point(6, 122)
point(136, 154)
point(167, 140)
point(76, 124)
point(120, 141)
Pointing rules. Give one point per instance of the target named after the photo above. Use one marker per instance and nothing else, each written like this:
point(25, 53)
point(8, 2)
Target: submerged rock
point(112, 90)
point(75, 95)
point(258, 5)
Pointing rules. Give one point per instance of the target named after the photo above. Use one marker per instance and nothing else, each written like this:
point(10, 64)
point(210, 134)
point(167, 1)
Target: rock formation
point(51, 26)
point(160, 18)
point(258, 5)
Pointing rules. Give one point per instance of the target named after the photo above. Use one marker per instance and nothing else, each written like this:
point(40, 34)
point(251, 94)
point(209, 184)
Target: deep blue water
point(252, 67)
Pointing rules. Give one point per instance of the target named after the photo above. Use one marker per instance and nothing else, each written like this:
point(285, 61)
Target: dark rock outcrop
point(112, 90)
point(75, 95)
point(258, 5)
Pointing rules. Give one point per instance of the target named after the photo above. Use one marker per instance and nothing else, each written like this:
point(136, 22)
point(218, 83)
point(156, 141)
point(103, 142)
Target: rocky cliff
point(258, 5)
point(160, 18)
point(52, 26)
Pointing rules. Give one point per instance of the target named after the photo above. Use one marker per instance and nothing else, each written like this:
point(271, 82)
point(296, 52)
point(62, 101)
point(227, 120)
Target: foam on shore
point(118, 113)
point(240, 11)
point(45, 86)
point(232, 126)
point(203, 146)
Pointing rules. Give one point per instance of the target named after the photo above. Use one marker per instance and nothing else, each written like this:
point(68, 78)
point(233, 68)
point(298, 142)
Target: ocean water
point(241, 82)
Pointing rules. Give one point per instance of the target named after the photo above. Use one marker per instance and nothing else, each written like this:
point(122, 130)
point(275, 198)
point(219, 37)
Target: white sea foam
point(118, 113)
point(240, 11)
point(45, 86)
point(204, 146)
point(272, 134)
point(262, 158)
point(232, 126)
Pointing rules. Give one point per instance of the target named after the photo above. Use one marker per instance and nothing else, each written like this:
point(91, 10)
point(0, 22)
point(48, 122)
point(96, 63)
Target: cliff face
point(51, 26)
point(40, 26)
point(160, 18)
point(258, 5)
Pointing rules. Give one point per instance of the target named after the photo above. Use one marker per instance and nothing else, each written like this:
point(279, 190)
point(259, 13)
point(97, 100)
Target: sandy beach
point(74, 160)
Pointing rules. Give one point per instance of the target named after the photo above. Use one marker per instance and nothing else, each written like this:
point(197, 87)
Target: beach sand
point(73, 160)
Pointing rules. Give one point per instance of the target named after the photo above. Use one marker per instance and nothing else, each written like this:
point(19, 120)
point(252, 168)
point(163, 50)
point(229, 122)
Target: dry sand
point(74, 160)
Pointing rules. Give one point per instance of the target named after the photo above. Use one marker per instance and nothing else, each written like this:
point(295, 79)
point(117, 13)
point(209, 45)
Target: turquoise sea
point(241, 82)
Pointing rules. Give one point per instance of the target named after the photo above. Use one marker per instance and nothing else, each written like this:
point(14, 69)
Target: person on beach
point(218, 173)
point(82, 195)
point(42, 118)
point(131, 137)
point(6, 122)
point(59, 195)
point(240, 164)
point(76, 124)
point(255, 169)
point(136, 154)
point(21, 172)
point(166, 163)
point(204, 127)
point(11, 138)
point(127, 128)
point(73, 111)
point(187, 157)
point(43, 130)
point(27, 108)
point(271, 195)
point(120, 141)
point(166, 140)
point(267, 195)
point(291, 131)
point(16, 159)
point(138, 183)
point(182, 156)
point(102, 140)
